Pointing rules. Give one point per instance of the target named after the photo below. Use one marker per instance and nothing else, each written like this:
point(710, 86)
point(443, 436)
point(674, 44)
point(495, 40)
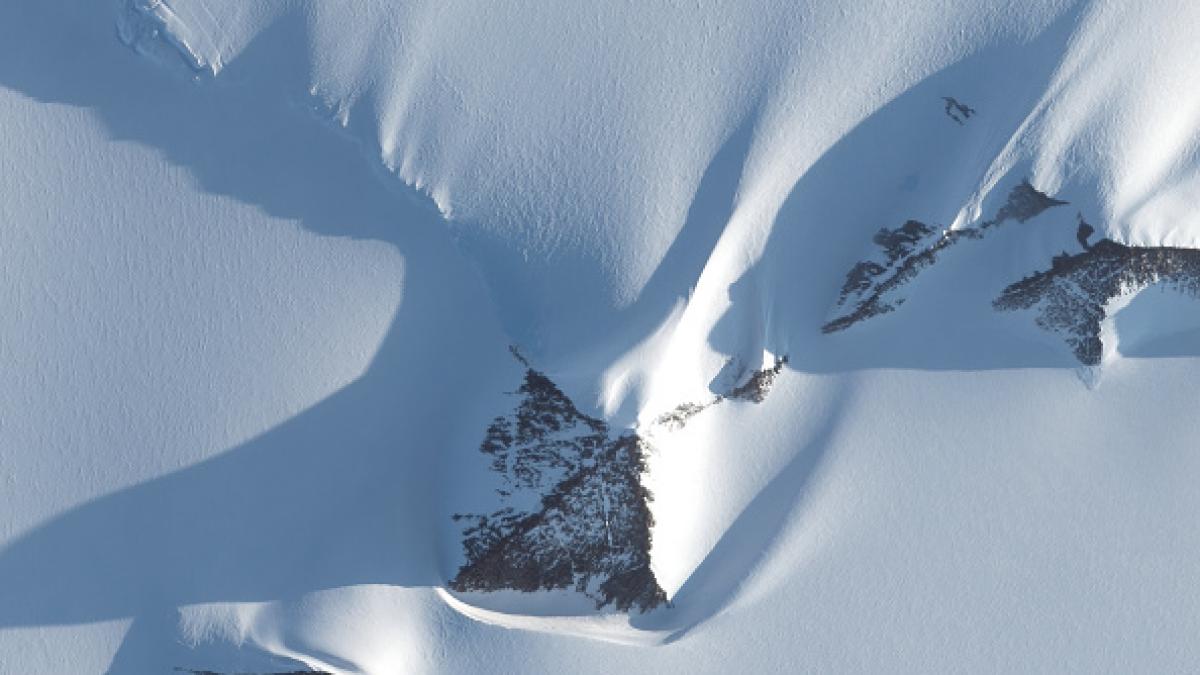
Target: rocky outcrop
point(754, 390)
point(590, 527)
point(871, 286)
point(1071, 297)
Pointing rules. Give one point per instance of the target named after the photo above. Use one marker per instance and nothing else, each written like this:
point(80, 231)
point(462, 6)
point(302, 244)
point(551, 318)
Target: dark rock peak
point(591, 527)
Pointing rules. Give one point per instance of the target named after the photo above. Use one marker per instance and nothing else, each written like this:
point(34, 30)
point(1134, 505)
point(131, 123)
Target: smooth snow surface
point(263, 261)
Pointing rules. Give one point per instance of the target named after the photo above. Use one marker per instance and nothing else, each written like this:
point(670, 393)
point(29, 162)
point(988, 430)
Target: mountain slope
point(265, 262)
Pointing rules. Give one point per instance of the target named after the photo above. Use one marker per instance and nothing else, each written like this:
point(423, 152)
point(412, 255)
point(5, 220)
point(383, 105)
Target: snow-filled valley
point(357, 336)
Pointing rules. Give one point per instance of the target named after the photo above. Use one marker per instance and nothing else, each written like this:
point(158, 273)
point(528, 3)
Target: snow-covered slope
point(837, 314)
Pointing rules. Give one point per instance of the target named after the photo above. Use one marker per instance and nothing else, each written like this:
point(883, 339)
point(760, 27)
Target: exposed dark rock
point(1071, 296)
point(890, 276)
point(913, 247)
point(1024, 202)
point(754, 389)
point(759, 385)
point(902, 241)
point(959, 112)
point(544, 438)
point(591, 527)
point(678, 417)
point(860, 279)
point(1082, 234)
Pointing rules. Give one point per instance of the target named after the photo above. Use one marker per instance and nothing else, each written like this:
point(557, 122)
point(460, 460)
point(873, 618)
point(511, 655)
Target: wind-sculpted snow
point(871, 286)
point(591, 169)
point(1072, 297)
point(283, 256)
point(588, 527)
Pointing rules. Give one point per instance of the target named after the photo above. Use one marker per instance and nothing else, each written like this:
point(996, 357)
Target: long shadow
point(340, 494)
point(606, 333)
point(240, 135)
point(682, 264)
point(715, 582)
point(826, 225)
point(343, 493)
point(909, 160)
point(876, 170)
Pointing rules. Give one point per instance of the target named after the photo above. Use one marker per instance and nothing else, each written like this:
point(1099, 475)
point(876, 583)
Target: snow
point(263, 262)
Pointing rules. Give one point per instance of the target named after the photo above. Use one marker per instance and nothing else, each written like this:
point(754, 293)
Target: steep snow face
point(1119, 124)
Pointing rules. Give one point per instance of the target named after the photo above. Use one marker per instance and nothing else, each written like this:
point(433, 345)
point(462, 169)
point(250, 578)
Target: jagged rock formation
point(755, 390)
point(913, 247)
point(1071, 297)
point(590, 528)
point(959, 112)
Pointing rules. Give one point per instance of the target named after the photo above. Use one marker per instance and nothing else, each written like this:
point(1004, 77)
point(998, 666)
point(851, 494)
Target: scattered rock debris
point(914, 246)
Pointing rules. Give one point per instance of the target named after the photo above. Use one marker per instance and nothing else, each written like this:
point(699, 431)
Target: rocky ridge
point(870, 286)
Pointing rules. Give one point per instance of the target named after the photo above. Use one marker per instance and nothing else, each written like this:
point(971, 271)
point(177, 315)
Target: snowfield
point(359, 336)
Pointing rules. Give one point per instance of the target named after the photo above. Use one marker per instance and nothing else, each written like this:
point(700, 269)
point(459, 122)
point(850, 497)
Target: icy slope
point(264, 261)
